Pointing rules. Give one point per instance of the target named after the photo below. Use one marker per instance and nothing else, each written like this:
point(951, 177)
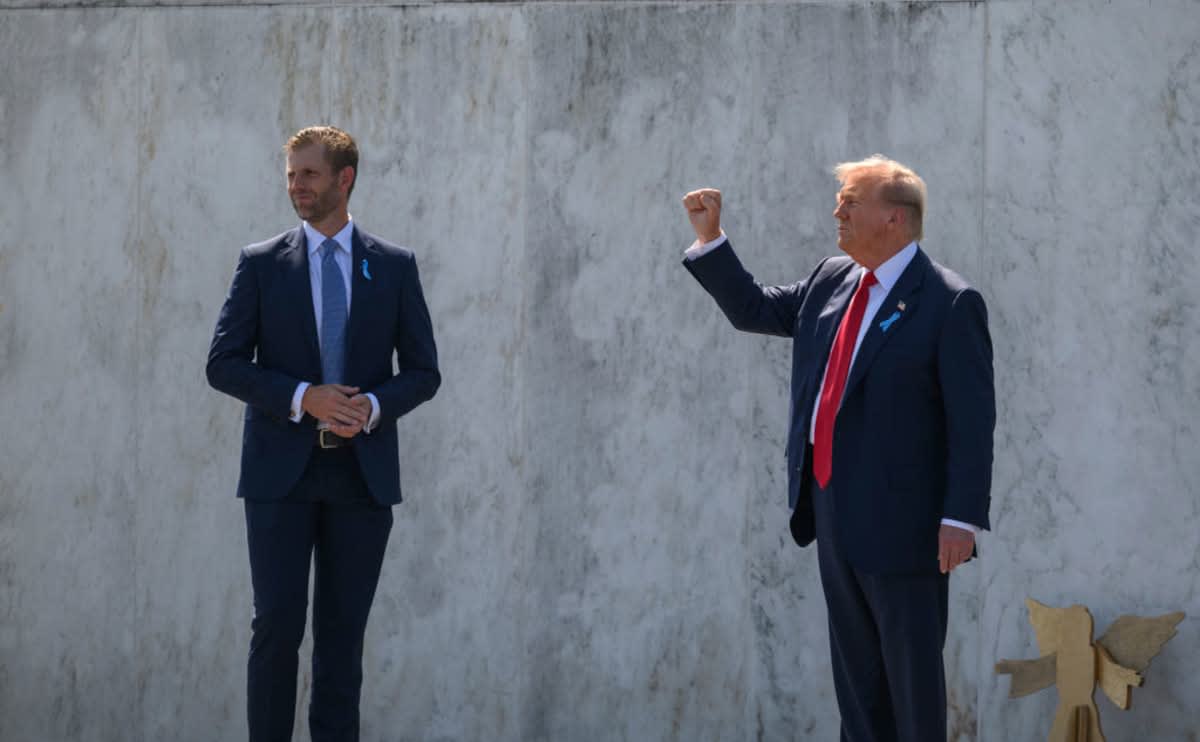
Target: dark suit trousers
point(886, 634)
point(328, 518)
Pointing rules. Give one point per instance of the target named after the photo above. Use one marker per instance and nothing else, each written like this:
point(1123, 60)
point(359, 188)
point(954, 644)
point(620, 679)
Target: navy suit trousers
point(886, 635)
point(330, 519)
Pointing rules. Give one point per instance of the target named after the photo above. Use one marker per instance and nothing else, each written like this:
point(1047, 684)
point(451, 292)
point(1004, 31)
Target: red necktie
point(835, 380)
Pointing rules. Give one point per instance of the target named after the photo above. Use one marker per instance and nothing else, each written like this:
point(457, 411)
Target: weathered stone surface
point(593, 544)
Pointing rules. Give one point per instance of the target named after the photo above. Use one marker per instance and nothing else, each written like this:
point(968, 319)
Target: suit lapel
point(299, 286)
point(900, 303)
point(362, 285)
point(831, 316)
point(823, 334)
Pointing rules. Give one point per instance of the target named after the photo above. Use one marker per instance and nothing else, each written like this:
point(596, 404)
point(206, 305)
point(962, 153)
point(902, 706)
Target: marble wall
point(594, 544)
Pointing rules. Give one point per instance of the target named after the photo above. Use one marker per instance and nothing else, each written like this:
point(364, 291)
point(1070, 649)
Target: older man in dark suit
point(889, 439)
point(326, 337)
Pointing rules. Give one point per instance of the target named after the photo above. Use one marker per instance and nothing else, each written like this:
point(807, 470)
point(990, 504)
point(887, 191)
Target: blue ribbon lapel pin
point(366, 270)
point(887, 323)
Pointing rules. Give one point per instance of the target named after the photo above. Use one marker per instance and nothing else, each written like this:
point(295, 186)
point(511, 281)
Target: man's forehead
point(308, 154)
point(858, 183)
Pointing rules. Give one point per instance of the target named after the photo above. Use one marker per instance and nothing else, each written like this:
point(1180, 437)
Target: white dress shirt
point(886, 276)
point(344, 258)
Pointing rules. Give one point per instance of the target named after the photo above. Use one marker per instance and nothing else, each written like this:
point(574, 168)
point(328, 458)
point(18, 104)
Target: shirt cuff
point(699, 249)
point(960, 524)
point(297, 411)
point(370, 426)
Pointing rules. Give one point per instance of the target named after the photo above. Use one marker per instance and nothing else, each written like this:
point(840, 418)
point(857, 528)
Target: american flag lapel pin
point(900, 305)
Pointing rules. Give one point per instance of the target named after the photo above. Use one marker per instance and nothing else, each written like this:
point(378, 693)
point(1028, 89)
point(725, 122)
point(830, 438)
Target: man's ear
point(346, 177)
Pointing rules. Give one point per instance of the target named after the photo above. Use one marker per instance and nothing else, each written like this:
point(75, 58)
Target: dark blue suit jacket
point(265, 344)
point(913, 438)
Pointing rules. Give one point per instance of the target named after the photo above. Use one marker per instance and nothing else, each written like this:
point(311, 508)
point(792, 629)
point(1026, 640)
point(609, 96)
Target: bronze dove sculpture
point(1072, 662)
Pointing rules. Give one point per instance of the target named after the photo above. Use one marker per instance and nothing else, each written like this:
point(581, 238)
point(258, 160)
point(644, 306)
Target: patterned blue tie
point(333, 316)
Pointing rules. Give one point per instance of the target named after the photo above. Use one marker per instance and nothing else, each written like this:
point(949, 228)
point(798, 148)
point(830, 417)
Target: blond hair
point(898, 184)
point(341, 151)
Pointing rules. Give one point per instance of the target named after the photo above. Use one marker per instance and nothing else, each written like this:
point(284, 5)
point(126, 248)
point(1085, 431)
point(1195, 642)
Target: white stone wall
point(594, 544)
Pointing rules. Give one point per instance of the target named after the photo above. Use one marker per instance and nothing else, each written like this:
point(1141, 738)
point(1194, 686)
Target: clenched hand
point(704, 211)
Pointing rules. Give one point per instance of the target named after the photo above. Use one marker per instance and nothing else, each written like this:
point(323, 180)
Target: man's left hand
point(955, 546)
point(363, 404)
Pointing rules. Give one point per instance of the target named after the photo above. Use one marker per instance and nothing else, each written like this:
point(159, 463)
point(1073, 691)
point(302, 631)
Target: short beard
point(322, 206)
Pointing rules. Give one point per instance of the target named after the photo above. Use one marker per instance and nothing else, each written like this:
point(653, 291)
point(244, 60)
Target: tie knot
point(869, 279)
point(328, 249)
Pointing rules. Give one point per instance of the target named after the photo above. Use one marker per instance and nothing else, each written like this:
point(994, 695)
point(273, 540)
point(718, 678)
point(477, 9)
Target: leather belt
point(329, 439)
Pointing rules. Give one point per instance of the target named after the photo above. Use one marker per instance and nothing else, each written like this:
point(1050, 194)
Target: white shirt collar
point(889, 272)
point(315, 238)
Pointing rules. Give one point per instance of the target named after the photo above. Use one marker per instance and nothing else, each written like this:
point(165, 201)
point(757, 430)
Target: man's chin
point(307, 213)
point(847, 248)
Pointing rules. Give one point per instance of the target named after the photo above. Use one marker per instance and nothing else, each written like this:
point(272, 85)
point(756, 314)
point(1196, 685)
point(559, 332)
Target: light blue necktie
point(333, 316)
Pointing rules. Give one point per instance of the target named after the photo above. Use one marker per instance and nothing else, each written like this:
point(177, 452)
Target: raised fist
point(704, 211)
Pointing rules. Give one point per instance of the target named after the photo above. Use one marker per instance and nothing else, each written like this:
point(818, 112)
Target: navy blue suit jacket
point(265, 344)
point(913, 437)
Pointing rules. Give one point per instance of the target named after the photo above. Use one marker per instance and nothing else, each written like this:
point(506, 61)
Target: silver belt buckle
point(321, 439)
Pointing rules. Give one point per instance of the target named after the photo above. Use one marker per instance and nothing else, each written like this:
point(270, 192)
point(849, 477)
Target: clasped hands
point(341, 407)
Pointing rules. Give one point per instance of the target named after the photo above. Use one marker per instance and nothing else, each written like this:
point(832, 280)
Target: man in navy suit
point(326, 337)
point(889, 435)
